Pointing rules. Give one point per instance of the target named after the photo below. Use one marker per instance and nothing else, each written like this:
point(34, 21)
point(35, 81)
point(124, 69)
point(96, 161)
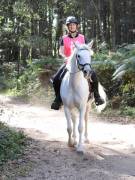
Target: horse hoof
point(80, 150)
point(75, 143)
point(71, 143)
point(87, 141)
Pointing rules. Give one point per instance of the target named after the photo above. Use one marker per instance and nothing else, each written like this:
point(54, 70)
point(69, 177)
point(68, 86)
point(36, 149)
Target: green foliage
point(8, 73)
point(104, 72)
point(122, 111)
point(126, 72)
point(117, 64)
point(128, 99)
point(127, 63)
point(28, 81)
point(128, 111)
point(12, 143)
point(22, 9)
point(104, 66)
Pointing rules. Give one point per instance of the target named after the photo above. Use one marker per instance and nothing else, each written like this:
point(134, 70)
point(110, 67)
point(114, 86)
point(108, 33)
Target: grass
point(128, 111)
point(12, 143)
point(15, 148)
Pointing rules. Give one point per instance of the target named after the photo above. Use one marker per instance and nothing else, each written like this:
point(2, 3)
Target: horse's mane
point(81, 46)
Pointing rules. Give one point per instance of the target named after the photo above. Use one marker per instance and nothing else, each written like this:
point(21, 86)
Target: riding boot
point(94, 88)
point(57, 79)
point(57, 103)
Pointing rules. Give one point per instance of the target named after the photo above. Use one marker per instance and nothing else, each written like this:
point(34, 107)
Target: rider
point(66, 46)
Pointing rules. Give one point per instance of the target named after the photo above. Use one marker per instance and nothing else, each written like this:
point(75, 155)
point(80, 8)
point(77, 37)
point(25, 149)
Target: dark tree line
point(31, 29)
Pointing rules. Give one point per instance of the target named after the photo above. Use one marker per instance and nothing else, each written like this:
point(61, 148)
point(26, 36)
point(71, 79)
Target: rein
point(74, 72)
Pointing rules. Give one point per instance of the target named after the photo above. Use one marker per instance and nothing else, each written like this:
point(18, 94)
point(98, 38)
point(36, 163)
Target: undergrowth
point(12, 143)
point(125, 112)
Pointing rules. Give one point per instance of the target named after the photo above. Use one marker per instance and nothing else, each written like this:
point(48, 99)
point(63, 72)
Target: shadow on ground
point(53, 160)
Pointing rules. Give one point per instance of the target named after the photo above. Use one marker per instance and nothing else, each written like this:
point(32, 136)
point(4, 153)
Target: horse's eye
point(78, 56)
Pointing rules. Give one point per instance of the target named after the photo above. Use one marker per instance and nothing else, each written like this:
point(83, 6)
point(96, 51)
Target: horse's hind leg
point(69, 126)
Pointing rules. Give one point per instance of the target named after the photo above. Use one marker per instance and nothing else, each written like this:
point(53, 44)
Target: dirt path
point(109, 156)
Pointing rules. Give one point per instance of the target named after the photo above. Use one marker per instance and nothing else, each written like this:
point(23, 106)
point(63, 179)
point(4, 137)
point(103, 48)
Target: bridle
point(81, 66)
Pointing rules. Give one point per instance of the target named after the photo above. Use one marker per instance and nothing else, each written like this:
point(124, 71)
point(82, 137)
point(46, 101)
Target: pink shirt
point(69, 45)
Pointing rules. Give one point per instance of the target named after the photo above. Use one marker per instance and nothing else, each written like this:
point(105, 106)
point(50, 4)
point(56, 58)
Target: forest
point(29, 41)
point(30, 32)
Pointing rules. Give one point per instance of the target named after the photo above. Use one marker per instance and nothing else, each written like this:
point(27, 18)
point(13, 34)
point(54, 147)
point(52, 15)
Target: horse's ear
point(90, 47)
point(91, 44)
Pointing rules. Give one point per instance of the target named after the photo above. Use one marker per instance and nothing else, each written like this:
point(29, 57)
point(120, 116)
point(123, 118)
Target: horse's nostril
point(85, 72)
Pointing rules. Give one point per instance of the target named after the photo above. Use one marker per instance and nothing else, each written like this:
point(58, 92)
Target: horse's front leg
point(73, 115)
point(80, 147)
point(86, 123)
point(69, 126)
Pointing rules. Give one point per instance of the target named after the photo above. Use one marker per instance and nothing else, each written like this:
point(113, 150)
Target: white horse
point(75, 92)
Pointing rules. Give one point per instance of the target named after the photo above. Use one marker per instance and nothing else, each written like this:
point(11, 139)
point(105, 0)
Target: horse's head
point(83, 56)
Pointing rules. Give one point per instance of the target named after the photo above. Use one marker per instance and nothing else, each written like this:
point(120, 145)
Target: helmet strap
point(73, 34)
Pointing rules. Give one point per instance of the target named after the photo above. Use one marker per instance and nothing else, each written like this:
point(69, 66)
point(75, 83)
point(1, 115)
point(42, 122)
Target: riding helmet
point(71, 19)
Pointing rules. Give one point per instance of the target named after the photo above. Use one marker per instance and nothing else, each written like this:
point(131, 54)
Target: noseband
point(81, 66)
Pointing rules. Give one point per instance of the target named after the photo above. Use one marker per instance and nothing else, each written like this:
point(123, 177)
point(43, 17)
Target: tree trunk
point(99, 19)
point(113, 40)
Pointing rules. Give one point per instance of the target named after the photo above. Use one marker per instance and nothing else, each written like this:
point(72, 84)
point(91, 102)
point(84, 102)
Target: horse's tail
point(103, 96)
